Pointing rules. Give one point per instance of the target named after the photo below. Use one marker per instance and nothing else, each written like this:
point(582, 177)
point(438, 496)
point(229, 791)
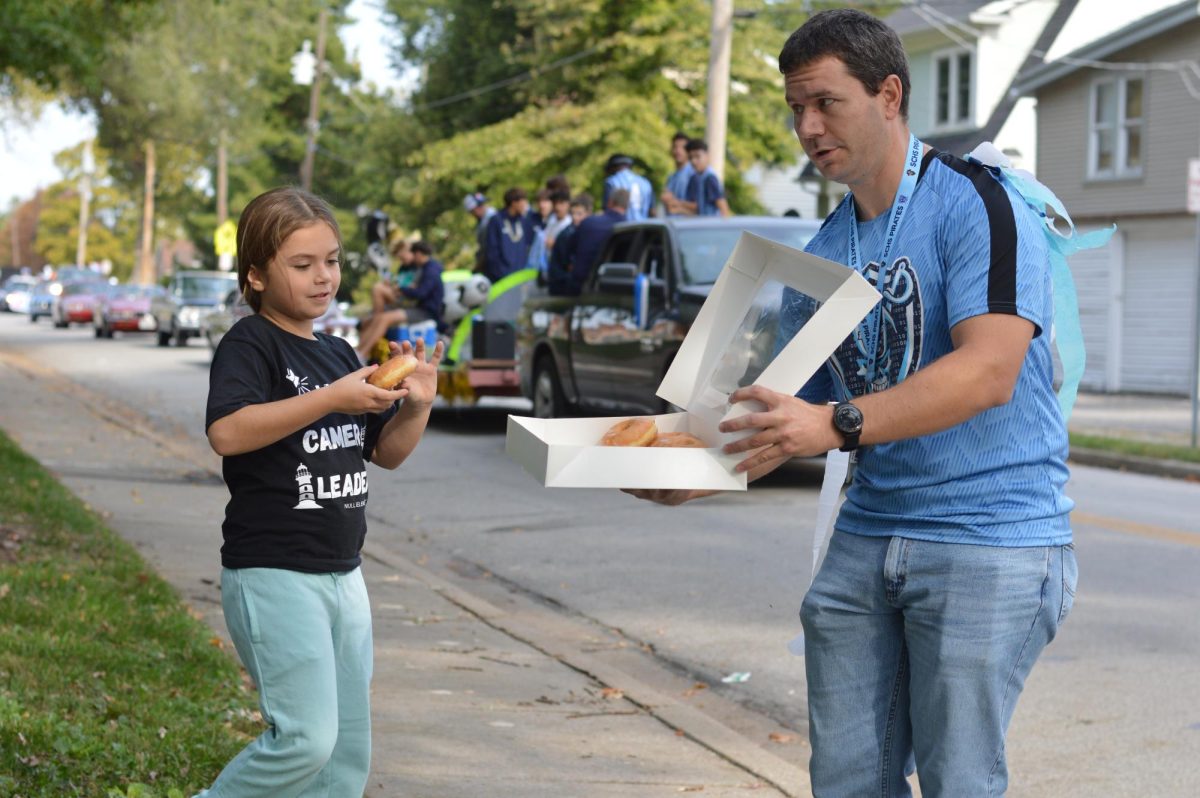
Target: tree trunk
point(146, 256)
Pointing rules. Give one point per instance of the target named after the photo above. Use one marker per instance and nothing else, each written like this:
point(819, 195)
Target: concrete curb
point(1175, 469)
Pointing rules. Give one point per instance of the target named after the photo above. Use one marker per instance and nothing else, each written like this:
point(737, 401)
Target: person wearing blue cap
point(477, 205)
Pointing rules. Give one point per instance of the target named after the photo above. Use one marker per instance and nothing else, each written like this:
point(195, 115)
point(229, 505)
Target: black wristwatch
point(848, 420)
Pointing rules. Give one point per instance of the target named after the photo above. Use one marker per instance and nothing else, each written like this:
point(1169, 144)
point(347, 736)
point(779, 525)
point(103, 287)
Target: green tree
point(62, 44)
point(112, 222)
point(517, 92)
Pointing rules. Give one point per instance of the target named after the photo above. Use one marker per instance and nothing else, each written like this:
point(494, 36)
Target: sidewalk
point(1155, 419)
point(469, 699)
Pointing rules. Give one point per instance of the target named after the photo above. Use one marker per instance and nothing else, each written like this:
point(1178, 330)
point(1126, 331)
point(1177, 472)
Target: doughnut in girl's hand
point(392, 372)
point(679, 440)
point(631, 432)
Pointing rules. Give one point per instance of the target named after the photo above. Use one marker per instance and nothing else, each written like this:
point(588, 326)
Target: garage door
point(1095, 272)
point(1159, 321)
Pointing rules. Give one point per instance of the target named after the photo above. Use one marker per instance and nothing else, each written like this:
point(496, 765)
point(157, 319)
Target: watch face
point(848, 418)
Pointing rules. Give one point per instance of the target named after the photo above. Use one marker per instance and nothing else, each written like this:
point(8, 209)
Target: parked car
point(14, 294)
point(75, 302)
point(125, 308)
point(190, 295)
point(217, 322)
point(233, 307)
point(41, 299)
point(601, 351)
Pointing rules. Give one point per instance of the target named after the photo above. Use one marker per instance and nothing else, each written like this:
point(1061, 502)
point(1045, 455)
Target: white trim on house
point(958, 117)
point(1120, 127)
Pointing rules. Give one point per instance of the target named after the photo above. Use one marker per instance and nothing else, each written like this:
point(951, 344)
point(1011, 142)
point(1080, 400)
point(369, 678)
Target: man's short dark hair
point(584, 200)
point(560, 196)
point(422, 247)
point(619, 199)
point(680, 136)
point(697, 144)
point(558, 183)
point(869, 48)
point(514, 195)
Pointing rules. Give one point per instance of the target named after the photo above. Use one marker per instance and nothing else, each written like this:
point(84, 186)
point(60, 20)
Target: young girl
point(291, 415)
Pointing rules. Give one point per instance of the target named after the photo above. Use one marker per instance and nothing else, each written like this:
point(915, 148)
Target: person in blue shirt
point(558, 270)
point(477, 205)
point(621, 176)
point(677, 183)
point(427, 291)
point(951, 565)
point(423, 300)
point(587, 242)
point(705, 194)
point(510, 234)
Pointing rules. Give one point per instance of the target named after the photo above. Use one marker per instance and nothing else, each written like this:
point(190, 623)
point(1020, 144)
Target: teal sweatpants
point(306, 641)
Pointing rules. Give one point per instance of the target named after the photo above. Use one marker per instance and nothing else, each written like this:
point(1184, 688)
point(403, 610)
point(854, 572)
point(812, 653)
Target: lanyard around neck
point(870, 327)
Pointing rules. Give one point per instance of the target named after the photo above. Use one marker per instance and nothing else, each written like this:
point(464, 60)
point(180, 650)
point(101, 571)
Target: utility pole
point(314, 99)
point(14, 234)
point(720, 44)
point(85, 198)
point(222, 152)
point(145, 256)
point(222, 178)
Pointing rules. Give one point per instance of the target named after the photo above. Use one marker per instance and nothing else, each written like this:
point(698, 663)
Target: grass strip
point(108, 685)
point(1158, 451)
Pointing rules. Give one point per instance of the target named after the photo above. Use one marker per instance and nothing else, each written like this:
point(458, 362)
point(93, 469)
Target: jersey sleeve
point(994, 251)
point(239, 376)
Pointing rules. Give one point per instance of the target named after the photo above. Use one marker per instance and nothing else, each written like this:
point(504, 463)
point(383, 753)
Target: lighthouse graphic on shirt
point(304, 483)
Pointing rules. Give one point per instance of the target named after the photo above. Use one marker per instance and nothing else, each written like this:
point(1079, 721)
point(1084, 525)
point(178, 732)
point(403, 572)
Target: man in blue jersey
point(677, 183)
point(951, 565)
point(621, 176)
point(705, 195)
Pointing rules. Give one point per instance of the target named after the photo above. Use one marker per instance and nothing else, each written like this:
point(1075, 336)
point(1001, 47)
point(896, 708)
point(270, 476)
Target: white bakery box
point(731, 343)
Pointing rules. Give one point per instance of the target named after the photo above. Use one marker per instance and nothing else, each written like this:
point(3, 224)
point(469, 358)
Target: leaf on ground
point(781, 738)
point(612, 693)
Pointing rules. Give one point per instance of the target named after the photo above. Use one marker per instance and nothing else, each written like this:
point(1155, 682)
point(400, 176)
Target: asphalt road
point(712, 588)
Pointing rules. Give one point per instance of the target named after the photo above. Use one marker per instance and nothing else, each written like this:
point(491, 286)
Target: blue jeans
point(919, 648)
point(306, 641)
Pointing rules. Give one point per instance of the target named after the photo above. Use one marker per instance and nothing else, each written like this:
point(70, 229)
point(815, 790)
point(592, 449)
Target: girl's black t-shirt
point(299, 503)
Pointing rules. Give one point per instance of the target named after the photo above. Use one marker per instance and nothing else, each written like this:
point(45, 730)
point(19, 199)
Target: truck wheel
point(548, 399)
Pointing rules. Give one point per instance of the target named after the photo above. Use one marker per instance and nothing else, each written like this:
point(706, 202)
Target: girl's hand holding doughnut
point(354, 395)
point(420, 386)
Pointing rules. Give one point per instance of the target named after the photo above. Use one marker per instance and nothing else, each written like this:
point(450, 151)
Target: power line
point(515, 79)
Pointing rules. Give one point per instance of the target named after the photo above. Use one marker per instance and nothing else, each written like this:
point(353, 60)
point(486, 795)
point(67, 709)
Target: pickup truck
point(608, 349)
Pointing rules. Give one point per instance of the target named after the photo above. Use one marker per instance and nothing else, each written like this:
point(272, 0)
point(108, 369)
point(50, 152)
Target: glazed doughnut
point(392, 372)
point(631, 432)
point(680, 440)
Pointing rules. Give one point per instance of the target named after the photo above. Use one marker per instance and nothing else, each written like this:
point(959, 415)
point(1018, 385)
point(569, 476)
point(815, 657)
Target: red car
point(125, 308)
point(75, 303)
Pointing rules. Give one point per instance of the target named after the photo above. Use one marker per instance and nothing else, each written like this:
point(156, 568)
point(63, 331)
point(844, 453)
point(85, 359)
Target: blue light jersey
point(966, 248)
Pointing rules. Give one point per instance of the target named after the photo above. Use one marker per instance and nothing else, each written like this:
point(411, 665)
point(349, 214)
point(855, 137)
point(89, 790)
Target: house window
point(1115, 146)
point(952, 88)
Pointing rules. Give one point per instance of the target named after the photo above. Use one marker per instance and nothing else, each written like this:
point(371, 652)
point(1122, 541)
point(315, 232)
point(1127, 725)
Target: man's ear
point(892, 92)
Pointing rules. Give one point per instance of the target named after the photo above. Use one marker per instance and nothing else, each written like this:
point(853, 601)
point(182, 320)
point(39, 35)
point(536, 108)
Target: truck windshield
point(204, 287)
point(704, 251)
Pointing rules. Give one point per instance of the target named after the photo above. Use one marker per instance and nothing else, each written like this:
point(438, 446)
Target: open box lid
point(732, 342)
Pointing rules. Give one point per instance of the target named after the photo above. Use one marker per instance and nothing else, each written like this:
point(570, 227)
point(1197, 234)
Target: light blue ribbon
point(1067, 331)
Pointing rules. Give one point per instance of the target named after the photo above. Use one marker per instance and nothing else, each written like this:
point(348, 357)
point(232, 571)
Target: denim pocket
point(1070, 579)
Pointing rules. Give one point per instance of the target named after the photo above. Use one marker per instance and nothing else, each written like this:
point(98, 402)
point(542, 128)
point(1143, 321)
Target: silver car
point(190, 296)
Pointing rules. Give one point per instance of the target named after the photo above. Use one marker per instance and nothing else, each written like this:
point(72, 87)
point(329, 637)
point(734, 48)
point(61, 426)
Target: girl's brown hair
point(267, 222)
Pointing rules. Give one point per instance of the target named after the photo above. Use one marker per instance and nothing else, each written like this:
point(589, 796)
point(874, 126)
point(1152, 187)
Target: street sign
point(1193, 194)
point(225, 238)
